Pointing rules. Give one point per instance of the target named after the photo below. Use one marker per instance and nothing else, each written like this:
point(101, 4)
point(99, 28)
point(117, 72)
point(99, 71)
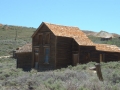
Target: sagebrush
point(71, 78)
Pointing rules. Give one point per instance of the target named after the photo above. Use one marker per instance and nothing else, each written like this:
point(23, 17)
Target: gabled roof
point(79, 36)
point(25, 48)
point(73, 32)
point(37, 29)
point(67, 31)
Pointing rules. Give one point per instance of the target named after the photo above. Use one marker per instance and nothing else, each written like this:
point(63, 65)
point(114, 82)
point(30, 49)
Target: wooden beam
point(55, 51)
point(36, 46)
point(32, 55)
point(100, 57)
point(78, 53)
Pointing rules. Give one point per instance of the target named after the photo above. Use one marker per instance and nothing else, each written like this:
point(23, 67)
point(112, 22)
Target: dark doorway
point(75, 59)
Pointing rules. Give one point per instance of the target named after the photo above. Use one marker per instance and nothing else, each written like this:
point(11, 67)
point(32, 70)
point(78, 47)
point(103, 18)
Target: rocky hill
point(101, 34)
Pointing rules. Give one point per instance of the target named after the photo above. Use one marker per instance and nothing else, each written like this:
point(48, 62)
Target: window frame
point(40, 39)
point(36, 57)
point(47, 38)
point(45, 55)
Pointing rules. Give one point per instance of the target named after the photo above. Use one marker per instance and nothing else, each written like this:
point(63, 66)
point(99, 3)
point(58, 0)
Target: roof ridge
point(60, 25)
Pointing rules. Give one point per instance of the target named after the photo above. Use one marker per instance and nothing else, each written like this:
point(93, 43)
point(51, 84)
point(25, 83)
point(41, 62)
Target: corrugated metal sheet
point(73, 32)
point(25, 48)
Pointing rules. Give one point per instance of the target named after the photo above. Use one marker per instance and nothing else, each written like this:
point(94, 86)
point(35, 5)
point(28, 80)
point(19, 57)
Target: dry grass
point(71, 78)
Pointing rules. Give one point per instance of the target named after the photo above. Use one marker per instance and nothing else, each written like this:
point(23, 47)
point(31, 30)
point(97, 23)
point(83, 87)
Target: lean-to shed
point(24, 57)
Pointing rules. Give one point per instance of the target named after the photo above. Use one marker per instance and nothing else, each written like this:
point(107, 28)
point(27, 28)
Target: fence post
point(98, 70)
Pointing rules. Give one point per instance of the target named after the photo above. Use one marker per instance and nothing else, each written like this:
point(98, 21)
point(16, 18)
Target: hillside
point(101, 34)
point(88, 32)
point(96, 37)
point(104, 34)
point(12, 37)
point(71, 78)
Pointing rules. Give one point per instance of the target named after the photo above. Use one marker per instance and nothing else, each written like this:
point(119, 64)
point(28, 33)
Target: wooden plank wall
point(119, 57)
point(75, 46)
point(111, 56)
point(87, 54)
point(24, 60)
point(41, 47)
point(64, 52)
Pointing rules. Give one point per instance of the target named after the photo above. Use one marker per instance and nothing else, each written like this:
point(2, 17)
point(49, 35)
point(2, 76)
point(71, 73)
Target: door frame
point(36, 61)
point(75, 62)
point(36, 54)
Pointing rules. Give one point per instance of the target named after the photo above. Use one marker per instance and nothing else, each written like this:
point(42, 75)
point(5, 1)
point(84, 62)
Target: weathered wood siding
point(75, 46)
point(24, 60)
point(110, 56)
point(41, 47)
point(87, 54)
point(64, 52)
point(119, 57)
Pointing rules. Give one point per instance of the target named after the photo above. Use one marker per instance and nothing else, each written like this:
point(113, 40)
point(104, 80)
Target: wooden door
point(36, 60)
point(75, 59)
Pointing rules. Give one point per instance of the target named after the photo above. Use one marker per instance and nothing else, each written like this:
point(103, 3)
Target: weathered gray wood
point(24, 60)
point(64, 52)
point(98, 70)
point(45, 30)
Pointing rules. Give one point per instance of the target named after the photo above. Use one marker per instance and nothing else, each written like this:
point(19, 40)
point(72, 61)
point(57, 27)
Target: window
point(46, 55)
point(40, 39)
point(47, 38)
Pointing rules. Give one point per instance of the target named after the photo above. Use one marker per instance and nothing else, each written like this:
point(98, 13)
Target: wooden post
point(55, 52)
point(100, 57)
point(14, 54)
point(98, 70)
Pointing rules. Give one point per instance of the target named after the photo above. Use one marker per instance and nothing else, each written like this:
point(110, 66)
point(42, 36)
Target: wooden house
point(55, 46)
point(108, 52)
point(106, 38)
point(24, 57)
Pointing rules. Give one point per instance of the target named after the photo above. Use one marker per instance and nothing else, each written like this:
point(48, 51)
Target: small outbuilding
point(24, 57)
point(106, 38)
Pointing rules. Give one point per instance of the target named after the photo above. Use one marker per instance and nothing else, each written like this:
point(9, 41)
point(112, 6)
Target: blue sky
point(92, 15)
